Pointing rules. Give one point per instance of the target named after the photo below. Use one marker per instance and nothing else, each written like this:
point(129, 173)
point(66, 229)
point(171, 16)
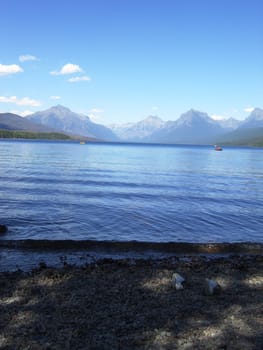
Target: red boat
point(218, 148)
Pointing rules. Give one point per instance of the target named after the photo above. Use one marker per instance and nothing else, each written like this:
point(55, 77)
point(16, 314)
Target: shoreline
point(169, 247)
point(29, 254)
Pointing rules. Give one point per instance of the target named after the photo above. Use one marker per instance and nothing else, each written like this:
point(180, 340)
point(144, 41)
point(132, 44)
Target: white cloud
point(22, 113)
point(55, 97)
point(249, 109)
point(96, 118)
point(218, 117)
point(68, 68)
point(25, 101)
point(96, 110)
point(10, 69)
point(24, 58)
point(78, 79)
point(95, 114)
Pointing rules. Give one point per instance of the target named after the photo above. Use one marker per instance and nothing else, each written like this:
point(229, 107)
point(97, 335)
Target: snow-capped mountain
point(254, 120)
point(192, 127)
point(139, 131)
point(230, 123)
point(62, 118)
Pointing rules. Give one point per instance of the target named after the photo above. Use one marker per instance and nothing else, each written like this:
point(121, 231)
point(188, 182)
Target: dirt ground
point(132, 304)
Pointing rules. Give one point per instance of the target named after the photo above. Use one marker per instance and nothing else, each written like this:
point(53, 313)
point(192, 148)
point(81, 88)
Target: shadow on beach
point(132, 304)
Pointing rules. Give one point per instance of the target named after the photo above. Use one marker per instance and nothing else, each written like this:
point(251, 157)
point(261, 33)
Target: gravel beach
point(133, 304)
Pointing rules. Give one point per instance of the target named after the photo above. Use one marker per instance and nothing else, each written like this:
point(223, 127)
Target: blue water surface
point(102, 191)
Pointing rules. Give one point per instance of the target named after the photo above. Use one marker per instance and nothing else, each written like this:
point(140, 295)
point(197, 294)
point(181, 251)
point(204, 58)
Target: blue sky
point(122, 60)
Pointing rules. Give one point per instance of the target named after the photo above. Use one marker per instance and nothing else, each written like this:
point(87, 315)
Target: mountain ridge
point(11, 121)
point(192, 127)
point(140, 130)
point(62, 118)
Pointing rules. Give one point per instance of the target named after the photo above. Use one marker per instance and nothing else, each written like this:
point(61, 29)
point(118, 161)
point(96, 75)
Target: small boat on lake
point(82, 143)
point(218, 148)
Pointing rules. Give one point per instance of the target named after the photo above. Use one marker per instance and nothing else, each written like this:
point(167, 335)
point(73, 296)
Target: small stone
point(211, 287)
point(178, 281)
point(178, 286)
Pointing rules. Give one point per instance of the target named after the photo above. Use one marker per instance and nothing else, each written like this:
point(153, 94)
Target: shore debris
point(178, 281)
point(211, 287)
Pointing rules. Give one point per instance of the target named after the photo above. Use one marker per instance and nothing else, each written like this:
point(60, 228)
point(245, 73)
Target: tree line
point(15, 134)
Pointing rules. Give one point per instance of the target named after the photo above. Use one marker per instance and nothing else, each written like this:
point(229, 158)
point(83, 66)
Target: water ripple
point(123, 192)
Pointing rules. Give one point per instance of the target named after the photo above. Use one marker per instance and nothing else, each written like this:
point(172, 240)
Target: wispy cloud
point(68, 68)
point(218, 117)
point(55, 97)
point(10, 69)
point(25, 101)
point(22, 113)
point(78, 79)
point(24, 58)
point(96, 110)
point(249, 109)
point(95, 114)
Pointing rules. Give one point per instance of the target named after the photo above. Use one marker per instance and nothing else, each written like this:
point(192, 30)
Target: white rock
point(211, 287)
point(178, 278)
point(178, 286)
point(178, 281)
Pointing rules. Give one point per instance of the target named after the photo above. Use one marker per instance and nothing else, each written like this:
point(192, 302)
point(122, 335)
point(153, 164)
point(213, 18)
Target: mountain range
point(138, 132)
point(63, 119)
point(10, 121)
point(192, 127)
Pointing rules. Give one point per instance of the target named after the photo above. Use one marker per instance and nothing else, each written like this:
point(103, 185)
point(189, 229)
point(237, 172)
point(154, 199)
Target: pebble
point(178, 281)
point(211, 287)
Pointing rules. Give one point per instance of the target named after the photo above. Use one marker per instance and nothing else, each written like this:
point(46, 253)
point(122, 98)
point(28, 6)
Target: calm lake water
point(53, 190)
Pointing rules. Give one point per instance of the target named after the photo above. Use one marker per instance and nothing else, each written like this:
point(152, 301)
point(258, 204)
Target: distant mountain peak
point(254, 120)
point(140, 130)
point(257, 109)
point(152, 120)
point(62, 118)
point(229, 123)
point(60, 108)
point(193, 116)
point(192, 110)
point(256, 113)
point(153, 117)
point(192, 126)
point(194, 113)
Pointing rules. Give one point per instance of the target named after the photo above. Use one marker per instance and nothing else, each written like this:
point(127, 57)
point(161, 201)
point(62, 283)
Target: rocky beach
point(134, 304)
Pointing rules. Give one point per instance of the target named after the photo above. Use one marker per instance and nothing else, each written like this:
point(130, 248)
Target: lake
point(124, 192)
